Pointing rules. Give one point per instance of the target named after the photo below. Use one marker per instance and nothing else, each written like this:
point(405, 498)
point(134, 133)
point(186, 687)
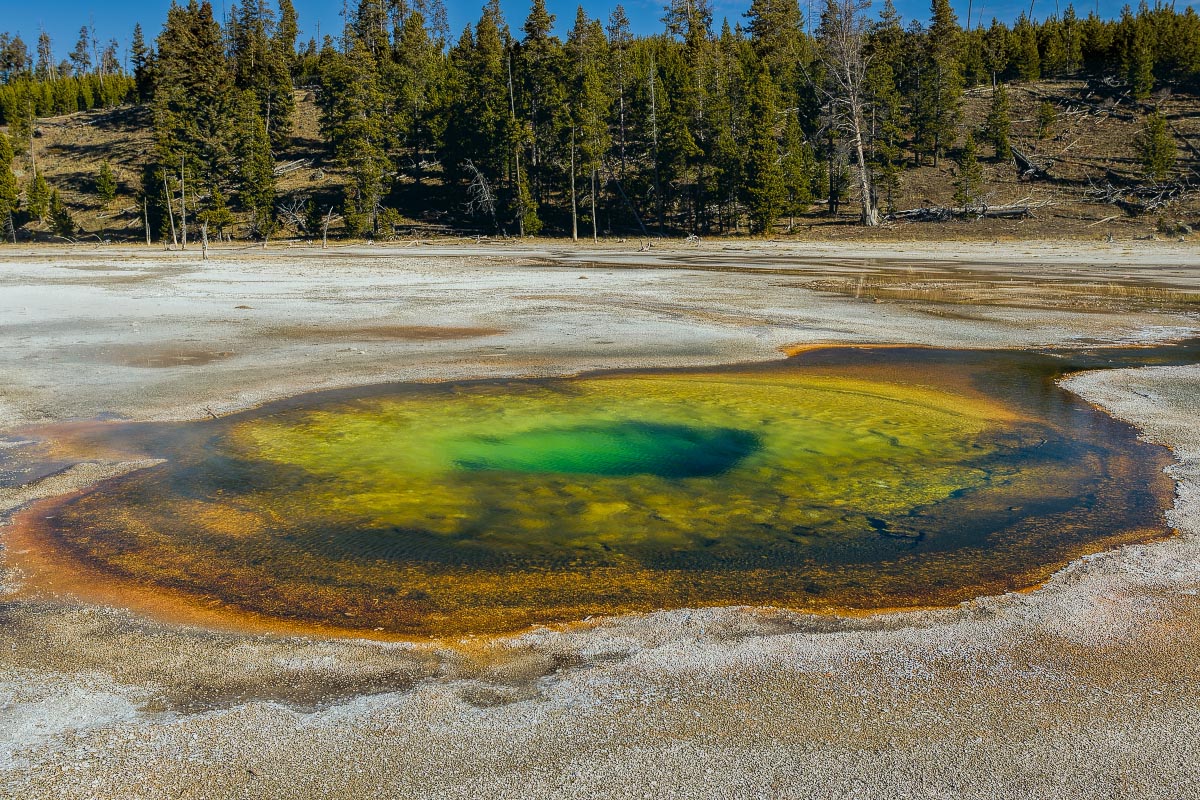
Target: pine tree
point(37, 197)
point(419, 86)
point(9, 192)
point(686, 74)
point(482, 127)
point(799, 170)
point(351, 121)
point(969, 183)
point(1026, 59)
point(61, 221)
point(106, 184)
point(1140, 56)
point(525, 206)
point(764, 179)
point(999, 123)
point(262, 56)
point(541, 98)
point(590, 102)
point(776, 29)
point(1155, 147)
point(140, 57)
point(619, 40)
point(193, 119)
point(256, 167)
point(938, 106)
point(1073, 42)
point(724, 174)
point(885, 46)
point(996, 49)
point(1052, 46)
point(216, 214)
point(286, 32)
point(972, 57)
point(1046, 116)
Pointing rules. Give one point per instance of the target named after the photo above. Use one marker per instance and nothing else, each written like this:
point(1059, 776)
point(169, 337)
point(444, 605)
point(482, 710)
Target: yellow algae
point(396, 462)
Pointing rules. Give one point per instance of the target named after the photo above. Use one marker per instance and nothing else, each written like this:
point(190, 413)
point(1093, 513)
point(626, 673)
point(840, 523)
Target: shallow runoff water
point(839, 479)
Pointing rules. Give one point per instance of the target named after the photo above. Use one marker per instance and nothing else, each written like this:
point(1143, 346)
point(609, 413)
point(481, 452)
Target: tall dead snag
point(182, 204)
point(325, 228)
point(480, 197)
point(842, 38)
point(170, 209)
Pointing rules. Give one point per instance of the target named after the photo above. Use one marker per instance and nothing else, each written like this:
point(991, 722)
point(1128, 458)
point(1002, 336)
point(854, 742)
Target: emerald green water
point(613, 448)
point(840, 479)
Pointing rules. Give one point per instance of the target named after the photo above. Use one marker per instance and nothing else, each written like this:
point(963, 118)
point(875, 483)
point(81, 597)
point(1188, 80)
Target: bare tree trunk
point(512, 109)
point(574, 203)
point(182, 205)
point(204, 241)
point(146, 218)
point(870, 214)
point(170, 210)
point(842, 37)
point(595, 233)
point(325, 229)
point(658, 198)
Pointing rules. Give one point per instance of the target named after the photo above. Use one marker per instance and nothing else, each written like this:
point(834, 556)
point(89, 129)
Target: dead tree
point(1140, 199)
point(170, 209)
point(842, 37)
point(325, 228)
point(1018, 210)
point(480, 197)
point(294, 215)
point(182, 205)
point(1029, 168)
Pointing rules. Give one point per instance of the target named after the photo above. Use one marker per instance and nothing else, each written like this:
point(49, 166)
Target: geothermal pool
point(839, 479)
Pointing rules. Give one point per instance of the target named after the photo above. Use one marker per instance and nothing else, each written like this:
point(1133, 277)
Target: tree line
point(700, 128)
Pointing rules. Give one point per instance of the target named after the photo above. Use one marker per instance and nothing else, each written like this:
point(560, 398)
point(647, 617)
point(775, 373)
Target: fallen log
point(947, 213)
point(289, 167)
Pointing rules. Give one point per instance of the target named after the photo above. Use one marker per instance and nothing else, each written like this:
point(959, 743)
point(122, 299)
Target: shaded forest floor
point(1089, 143)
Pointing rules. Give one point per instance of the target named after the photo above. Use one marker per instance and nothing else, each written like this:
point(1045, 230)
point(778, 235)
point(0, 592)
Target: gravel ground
point(1088, 687)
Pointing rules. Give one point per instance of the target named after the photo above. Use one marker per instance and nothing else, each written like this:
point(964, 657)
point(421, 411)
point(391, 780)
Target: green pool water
point(838, 480)
point(614, 447)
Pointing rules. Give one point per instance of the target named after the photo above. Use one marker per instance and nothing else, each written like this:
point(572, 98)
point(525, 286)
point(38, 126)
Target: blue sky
point(63, 18)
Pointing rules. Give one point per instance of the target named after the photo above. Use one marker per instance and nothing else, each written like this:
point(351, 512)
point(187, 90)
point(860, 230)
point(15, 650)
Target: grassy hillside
point(1090, 143)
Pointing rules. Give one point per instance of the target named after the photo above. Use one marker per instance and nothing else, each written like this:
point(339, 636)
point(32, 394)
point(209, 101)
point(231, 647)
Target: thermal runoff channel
point(844, 481)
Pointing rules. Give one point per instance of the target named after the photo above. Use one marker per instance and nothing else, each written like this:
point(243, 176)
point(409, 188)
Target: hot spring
point(841, 479)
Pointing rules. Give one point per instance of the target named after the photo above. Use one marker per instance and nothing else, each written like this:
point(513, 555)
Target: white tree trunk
point(870, 214)
point(595, 234)
point(574, 203)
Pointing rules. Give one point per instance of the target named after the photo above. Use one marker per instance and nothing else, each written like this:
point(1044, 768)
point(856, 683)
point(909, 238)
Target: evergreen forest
point(708, 127)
